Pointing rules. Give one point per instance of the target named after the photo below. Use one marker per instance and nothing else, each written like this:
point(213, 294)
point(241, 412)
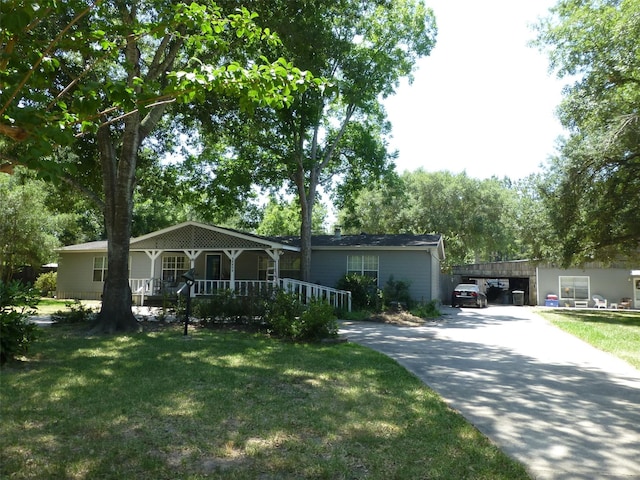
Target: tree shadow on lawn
point(228, 405)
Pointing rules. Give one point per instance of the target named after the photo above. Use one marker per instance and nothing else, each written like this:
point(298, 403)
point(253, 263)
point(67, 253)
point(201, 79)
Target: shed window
point(99, 269)
point(173, 266)
point(366, 265)
point(574, 288)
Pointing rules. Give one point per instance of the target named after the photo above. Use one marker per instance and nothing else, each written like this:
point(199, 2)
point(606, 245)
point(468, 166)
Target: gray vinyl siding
point(75, 277)
point(414, 267)
point(610, 283)
point(140, 265)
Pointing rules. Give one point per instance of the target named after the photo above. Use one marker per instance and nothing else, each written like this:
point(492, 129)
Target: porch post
point(192, 255)
point(232, 254)
point(275, 256)
point(153, 256)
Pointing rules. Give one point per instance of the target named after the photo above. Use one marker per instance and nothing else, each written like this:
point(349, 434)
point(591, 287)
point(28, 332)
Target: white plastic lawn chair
point(599, 301)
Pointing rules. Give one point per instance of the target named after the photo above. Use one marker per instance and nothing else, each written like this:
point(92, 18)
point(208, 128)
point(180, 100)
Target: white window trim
point(103, 269)
point(175, 269)
point(563, 295)
point(362, 265)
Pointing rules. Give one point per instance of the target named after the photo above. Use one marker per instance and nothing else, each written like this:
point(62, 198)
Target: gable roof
point(372, 241)
point(97, 246)
point(190, 235)
point(195, 235)
point(202, 236)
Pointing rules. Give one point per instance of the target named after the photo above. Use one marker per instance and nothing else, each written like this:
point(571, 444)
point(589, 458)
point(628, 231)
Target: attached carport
point(520, 275)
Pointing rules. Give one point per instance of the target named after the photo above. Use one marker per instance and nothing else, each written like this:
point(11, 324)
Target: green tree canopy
point(282, 218)
point(332, 138)
point(593, 190)
point(475, 217)
point(101, 78)
point(27, 229)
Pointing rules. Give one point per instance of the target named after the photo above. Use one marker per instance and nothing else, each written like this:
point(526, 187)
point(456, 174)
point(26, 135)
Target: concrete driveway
point(564, 409)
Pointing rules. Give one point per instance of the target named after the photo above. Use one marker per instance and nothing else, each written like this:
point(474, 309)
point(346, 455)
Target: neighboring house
point(224, 259)
point(617, 283)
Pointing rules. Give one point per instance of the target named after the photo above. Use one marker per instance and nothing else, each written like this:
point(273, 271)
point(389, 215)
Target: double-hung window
point(99, 269)
point(173, 266)
point(366, 265)
point(574, 287)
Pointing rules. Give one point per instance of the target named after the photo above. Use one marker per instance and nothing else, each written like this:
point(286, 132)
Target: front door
point(213, 267)
point(636, 292)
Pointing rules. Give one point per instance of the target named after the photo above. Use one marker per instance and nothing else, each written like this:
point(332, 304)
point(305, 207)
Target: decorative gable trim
point(193, 235)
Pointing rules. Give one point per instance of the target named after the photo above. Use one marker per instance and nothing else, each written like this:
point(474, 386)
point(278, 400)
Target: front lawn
point(232, 405)
point(47, 306)
point(614, 331)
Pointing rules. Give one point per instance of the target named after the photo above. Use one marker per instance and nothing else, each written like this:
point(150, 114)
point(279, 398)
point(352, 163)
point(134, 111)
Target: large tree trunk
point(118, 175)
point(305, 242)
point(307, 196)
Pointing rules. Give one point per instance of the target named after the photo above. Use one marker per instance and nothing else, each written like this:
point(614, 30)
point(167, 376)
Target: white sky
point(483, 101)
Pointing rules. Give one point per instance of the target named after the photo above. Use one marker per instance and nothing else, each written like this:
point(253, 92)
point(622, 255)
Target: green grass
point(612, 331)
point(47, 306)
point(232, 405)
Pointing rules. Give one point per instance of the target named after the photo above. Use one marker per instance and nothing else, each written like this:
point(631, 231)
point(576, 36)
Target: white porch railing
point(306, 291)
point(243, 288)
point(144, 287)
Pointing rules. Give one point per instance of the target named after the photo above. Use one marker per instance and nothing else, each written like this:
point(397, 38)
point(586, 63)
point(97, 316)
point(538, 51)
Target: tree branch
point(44, 54)
point(351, 108)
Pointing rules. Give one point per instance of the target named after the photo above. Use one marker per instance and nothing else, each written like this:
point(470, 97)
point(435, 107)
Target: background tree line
point(140, 114)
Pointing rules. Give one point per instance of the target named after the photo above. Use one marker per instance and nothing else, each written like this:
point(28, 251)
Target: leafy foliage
point(26, 230)
point(46, 283)
point(17, 301)
point(426, 310)
point(282, 218)
point(317, 322)
point(330, 138)
point(476, 217)
point(287, 318)
point(592, 193)
point(83, 86)
point(397, 291)
point(281, 314)
point(225, 307)
point(364, 291)
point(76, 313)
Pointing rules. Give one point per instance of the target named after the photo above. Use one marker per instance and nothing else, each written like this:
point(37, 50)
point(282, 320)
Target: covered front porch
point(222, 260)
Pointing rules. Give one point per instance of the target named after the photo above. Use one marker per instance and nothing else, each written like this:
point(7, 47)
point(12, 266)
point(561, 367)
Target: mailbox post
point(189, 280)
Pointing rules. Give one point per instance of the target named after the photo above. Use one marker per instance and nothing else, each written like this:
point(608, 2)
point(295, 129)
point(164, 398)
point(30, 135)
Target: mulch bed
point(405, 319)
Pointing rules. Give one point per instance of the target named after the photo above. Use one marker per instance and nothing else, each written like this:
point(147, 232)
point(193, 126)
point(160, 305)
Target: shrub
point(397, 291)
point(288, 318)
point(77, 313)
point(226, 307)
point(426, 310)
point(365, 294)
point(16, 332)
point(318, 321)
point(47, 283)
point(281, 314)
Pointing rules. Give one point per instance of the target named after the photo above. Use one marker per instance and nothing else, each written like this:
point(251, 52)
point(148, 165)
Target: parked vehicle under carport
point(468, 294)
